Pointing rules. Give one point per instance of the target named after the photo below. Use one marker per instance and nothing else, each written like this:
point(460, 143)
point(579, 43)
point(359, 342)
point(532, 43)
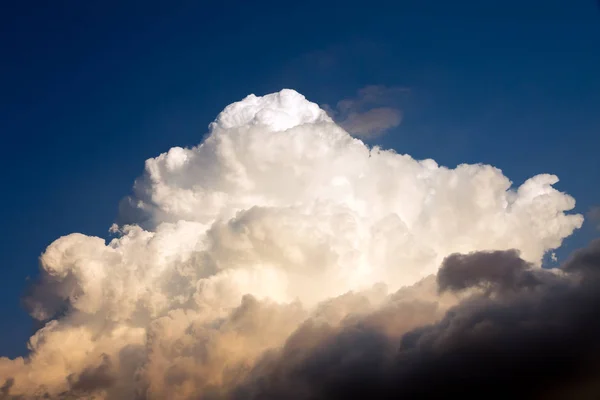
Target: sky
point(90, 90)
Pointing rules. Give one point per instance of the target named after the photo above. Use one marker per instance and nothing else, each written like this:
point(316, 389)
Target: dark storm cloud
point(496, 271)
point(529, 334)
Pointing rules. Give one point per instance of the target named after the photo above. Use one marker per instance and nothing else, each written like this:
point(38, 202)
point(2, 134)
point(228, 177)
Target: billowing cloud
point(532, 335)
point(280, 235)
point(371, 113)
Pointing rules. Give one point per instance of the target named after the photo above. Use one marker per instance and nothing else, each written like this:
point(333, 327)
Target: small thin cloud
point(371, 113)
point(594, 216)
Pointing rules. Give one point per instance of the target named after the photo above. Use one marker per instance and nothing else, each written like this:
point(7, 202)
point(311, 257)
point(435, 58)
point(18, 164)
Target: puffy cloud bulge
point(224, 250)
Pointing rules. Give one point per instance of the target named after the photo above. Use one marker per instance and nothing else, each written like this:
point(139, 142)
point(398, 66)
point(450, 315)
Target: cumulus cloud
point(371, 113)
point(277, 237)
point(532, 335)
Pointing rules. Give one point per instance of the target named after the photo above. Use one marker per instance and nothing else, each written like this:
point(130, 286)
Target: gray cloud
point(373, 111)
point(495, 271)
point(5, 388)
point(94, 378)
point(594, 216)
point(517, 339)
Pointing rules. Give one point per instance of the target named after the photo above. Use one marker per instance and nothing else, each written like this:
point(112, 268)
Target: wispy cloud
point(371, 113)
point(594, 216)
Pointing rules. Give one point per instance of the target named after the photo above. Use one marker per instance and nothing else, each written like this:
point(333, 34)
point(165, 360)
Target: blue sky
point(89, 91)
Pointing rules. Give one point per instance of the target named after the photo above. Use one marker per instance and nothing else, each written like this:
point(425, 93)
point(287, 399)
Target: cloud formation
point(594, 216)
point(371, 113)
point(280, 235)
point(532, 335)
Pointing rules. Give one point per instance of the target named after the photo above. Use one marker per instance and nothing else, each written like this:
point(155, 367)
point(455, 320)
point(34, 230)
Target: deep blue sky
point(90, 89)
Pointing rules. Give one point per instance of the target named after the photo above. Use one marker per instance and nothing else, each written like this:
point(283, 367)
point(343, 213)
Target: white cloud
point(280, 203)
